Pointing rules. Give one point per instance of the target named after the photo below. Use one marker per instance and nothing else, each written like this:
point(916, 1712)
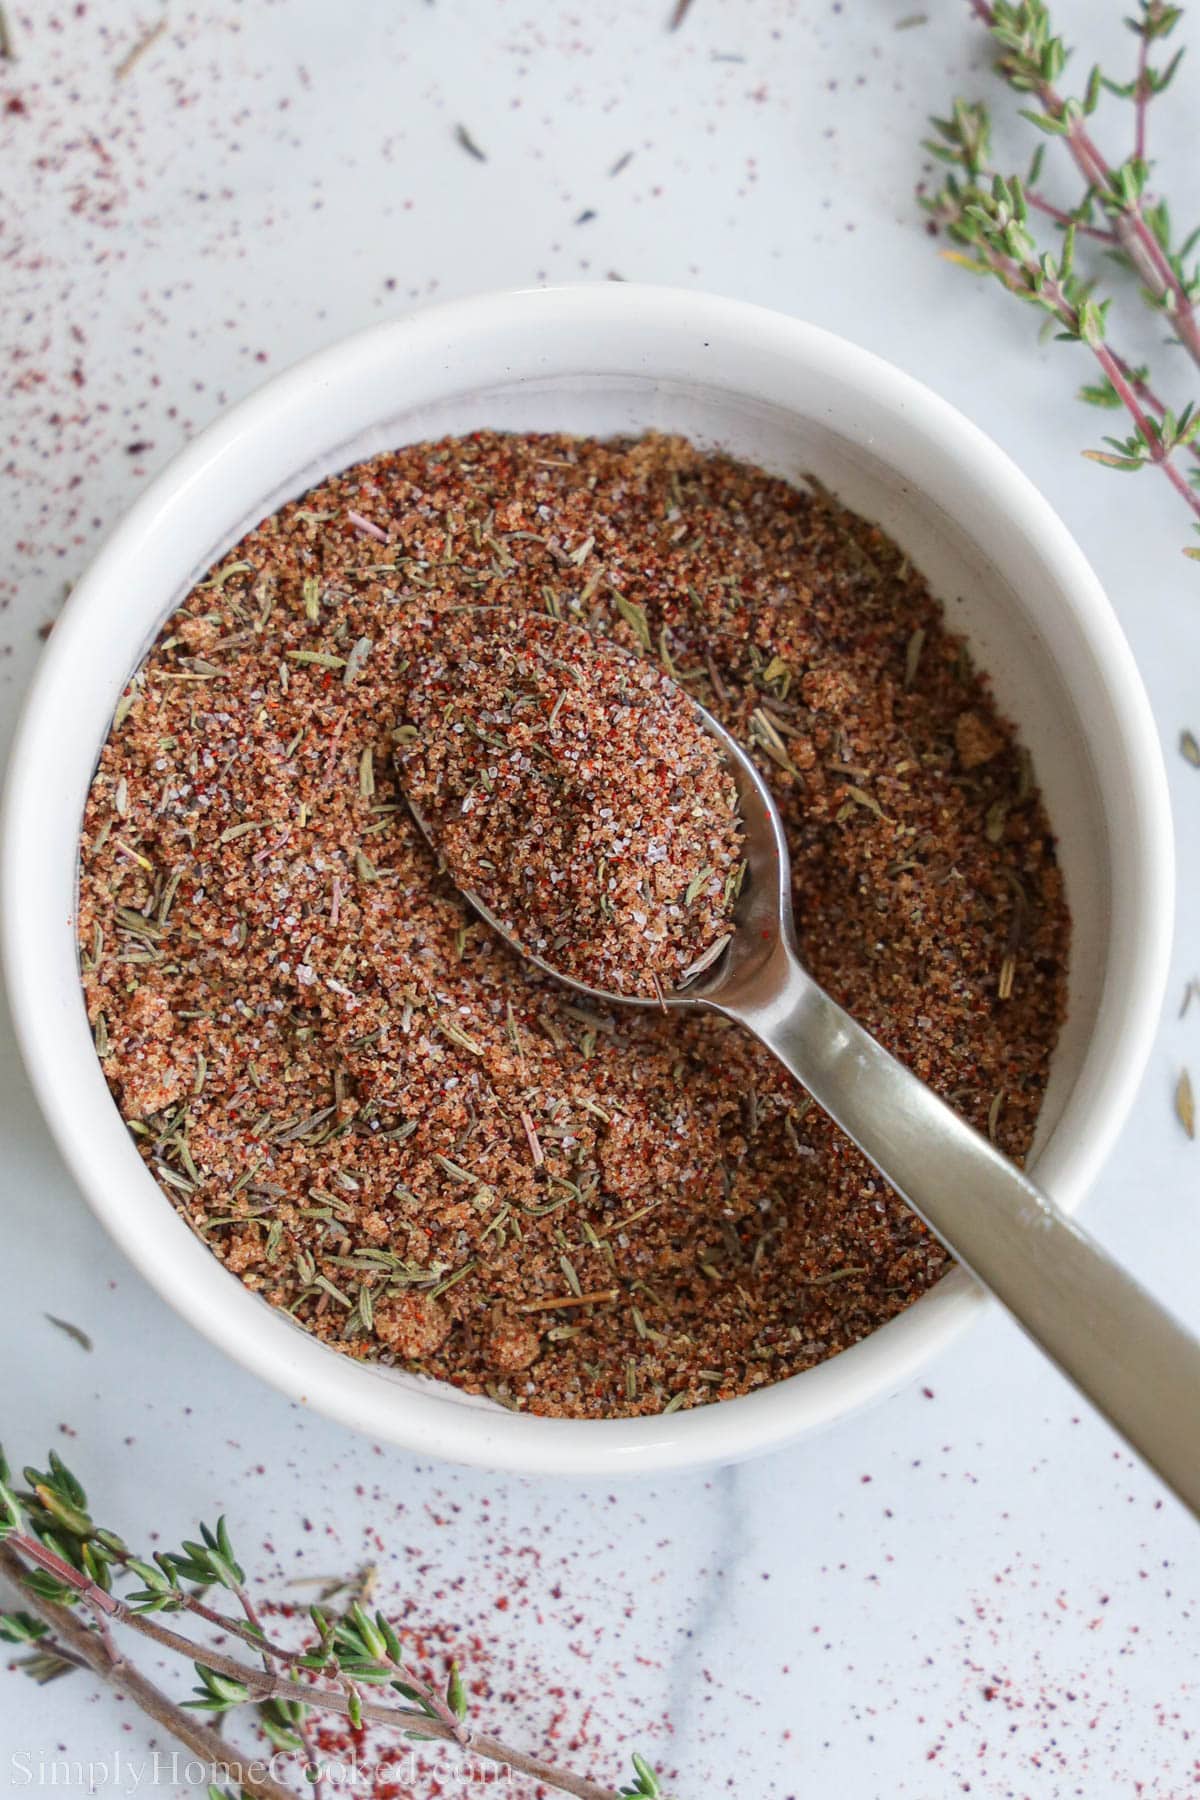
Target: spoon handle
point(1135, 1362)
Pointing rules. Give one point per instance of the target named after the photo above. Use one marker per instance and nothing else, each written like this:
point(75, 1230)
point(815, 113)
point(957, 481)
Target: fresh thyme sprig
point(60, 1560)
point(988, 215)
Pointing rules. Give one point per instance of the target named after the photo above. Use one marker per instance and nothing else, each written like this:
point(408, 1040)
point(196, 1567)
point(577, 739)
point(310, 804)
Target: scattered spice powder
point(428, 1153)
point(570, 785)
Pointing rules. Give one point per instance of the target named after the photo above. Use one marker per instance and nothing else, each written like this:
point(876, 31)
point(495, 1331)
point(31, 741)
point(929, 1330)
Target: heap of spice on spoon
point(576, 795)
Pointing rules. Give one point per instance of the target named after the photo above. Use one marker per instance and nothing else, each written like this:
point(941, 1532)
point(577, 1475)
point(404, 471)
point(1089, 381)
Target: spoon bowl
point(762, 919)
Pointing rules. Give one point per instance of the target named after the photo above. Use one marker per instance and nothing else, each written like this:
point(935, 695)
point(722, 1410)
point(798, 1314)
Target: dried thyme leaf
point(1008, 971)
point(455, 1170)
point(444, 1287)
point(356, 662)
point(634, 615)
point(1189, 748)
point(168, 895)
point(133, 56)
point(994, 1111)
point(1185, 1103)
point(996, 821)
point(860, 797)
point(321, 659)
point(366, 1309)
point(697, 884)
point(335, 1293)
point(765, 733)
point(465, 141)
point(74, 1332)
point(129, 695)
point(912, 655)
point(706, 960)
point(458, 1036)
point(219, 579)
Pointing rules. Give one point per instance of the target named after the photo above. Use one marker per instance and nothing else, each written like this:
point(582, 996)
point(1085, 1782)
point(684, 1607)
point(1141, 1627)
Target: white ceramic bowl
point(607, 359)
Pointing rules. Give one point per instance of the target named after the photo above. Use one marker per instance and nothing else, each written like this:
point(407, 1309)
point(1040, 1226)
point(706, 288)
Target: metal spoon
point(1136, 1363)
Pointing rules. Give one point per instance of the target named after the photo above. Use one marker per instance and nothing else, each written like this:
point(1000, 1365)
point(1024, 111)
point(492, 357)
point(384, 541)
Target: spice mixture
point(422, 1149)
point(571, 787)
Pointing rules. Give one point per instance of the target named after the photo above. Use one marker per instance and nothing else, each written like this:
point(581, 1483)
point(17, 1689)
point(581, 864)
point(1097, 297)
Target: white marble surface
point(970, 1589)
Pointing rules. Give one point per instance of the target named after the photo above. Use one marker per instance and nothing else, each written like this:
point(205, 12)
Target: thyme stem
point(98, 1650)
point(988, 217)
point(1016, 275)
point(301, 1726)
point(1130, 227)
point(88, 1649)
point(1062, 217)
point(1157, 451)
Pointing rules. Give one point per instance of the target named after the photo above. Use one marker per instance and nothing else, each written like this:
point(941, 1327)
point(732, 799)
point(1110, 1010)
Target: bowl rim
point(431, 1420)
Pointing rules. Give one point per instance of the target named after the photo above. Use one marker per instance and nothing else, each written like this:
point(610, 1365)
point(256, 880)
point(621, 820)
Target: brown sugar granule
point(976, 739)
point(411, 1324)
point(571, 787)
point(425, 1151)
point(509, 1343)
